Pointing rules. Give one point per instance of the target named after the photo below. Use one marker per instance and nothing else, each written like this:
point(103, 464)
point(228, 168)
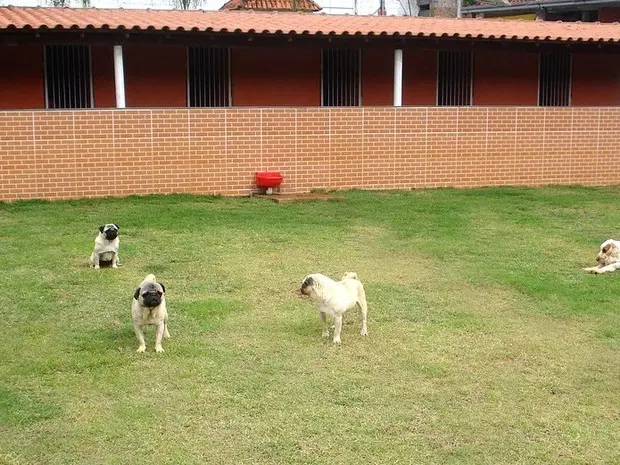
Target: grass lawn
point(487, 342)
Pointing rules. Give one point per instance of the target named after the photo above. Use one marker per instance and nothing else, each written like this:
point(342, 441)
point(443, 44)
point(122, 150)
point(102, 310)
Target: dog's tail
point(350, 275)
point(150, 278)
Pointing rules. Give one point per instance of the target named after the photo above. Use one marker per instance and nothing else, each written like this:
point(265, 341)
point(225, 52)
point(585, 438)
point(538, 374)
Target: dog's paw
point(593, 270)
point(364, 332)
point(159, 349)
point(325, 334)
point(97, 267)
point(336, 341)
point(141, 349)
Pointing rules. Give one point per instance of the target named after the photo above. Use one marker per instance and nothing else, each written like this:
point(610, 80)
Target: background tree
point(187, 4)
point(409, 7)
point(67, 3)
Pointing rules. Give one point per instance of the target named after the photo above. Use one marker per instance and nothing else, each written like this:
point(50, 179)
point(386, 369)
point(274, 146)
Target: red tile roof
point(271, 5)
point(12, 18)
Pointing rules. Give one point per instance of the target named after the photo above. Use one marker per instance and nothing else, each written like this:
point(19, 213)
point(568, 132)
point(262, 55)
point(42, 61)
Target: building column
point(398, 78)
point(119, 76)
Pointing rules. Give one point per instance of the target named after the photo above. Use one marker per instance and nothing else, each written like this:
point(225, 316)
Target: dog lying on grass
point(333, 298)
point(608, 258)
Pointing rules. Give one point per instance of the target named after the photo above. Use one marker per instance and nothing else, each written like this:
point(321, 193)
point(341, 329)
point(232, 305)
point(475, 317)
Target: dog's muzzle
point(111, 234)
point(151, 299)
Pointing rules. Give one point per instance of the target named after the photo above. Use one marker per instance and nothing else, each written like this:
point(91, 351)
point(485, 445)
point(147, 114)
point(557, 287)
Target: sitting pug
point(106, 246)
point(149, 308)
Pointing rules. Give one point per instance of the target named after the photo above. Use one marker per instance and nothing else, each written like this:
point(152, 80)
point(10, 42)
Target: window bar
point(67, 78)
point(214, 67)
point(554, 79)
point(219, 59)
point(62, 77)
point(328, 82)
point(54, 52)
point(71, 87)
point(49, 76)
point(340, 67)
point(459, 78)
point(191, 76)
point(348, 83)
point(209, 76)
point(56, 60)
point(77, 76)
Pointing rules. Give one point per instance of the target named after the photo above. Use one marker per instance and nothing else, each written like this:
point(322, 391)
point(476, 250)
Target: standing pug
point(106, 246)
point(333, 298)
point(149, 308)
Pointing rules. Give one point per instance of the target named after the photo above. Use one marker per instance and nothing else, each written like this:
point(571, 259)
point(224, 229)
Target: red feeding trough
point(268, 179)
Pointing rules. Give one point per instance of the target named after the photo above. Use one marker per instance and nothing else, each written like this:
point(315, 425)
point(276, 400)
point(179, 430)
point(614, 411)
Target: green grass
point(487, 342)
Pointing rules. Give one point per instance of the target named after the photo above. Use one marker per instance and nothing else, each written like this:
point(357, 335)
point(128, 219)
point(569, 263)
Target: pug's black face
point(150, 294)
point(110, 231)
point(151, 298)
point(306, 286)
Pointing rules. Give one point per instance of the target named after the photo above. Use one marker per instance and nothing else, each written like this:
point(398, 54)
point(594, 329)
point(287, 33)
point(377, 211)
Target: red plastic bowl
point(268, 179)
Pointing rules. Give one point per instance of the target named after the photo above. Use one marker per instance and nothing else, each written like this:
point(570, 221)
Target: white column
point(398, 78)
point(119, 76)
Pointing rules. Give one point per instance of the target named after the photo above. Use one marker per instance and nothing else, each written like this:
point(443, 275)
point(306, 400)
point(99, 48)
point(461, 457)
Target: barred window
point(68, 82)
point(208, 77)
point(554, 79)
point(454, 78)
point(340, 84)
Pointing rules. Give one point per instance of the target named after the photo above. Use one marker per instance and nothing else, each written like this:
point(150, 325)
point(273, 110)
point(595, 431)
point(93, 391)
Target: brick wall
point(93, 153)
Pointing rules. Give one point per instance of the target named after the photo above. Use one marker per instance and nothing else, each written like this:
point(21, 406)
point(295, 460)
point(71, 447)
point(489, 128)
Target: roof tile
point(302, 23)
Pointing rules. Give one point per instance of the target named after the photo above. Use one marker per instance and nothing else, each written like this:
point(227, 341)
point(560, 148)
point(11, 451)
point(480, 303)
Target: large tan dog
point(333, 298)
point(608, 258)
point(149, 308)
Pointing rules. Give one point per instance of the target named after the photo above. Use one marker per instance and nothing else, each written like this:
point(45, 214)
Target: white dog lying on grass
point(608, 258)
point(333, 298)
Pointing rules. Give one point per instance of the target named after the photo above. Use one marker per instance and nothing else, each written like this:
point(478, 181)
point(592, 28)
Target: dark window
point(67, 76)
point(208, 77)
point(554, 79)
point(454, 78)
point(341, 78)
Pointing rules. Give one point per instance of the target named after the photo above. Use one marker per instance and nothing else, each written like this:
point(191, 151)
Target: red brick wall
point(155, 76)
point(596, 80)
point(276, 77)
point(419, 77)
point(70, 154)
point(377, 77)
point(21, 77)
point(498, 81)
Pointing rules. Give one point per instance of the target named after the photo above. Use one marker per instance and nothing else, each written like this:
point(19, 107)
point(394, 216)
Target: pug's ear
point(117, 227)
point(136, 294)
point(162, 286)
point(101, 228)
